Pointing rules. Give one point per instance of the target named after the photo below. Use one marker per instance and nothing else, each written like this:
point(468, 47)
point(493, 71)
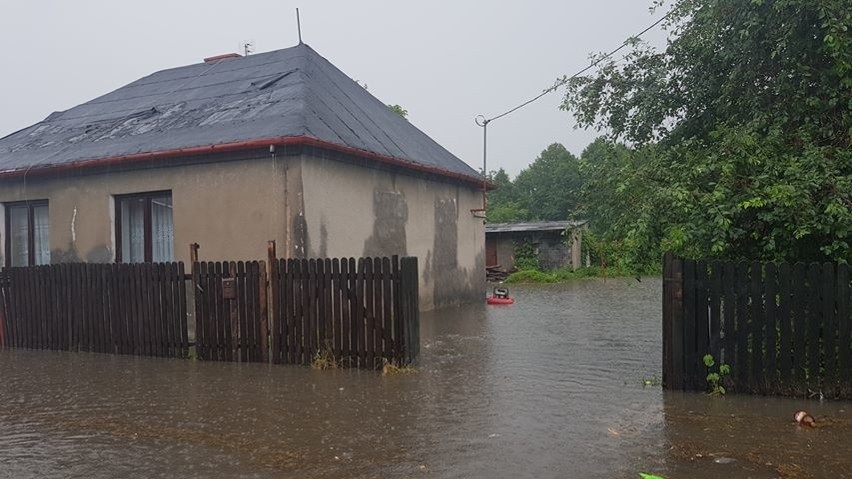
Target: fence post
point(410, 309)
point(193, 252)
point(672, 322)
point(268, 304)
point(667, 319)
point(3, 308)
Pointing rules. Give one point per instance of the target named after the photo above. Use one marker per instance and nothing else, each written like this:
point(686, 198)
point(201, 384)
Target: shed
point(556, 244)
point(232, 152)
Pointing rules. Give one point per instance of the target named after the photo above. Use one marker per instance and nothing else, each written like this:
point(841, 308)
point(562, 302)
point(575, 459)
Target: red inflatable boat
point(496, 300)
point(500, 296)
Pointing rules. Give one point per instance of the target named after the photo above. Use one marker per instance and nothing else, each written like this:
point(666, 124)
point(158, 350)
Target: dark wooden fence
point(783, 329)
point(231, 322)
point(107, 308)
point(362, 313)
point(355, 312)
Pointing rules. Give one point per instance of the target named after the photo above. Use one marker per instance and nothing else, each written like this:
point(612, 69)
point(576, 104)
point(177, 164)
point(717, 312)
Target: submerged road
point(549, 387)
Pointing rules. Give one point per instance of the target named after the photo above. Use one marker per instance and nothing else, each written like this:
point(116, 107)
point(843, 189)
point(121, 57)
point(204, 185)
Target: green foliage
point(739, 134)
point(645, 475)
point(715, 378)
point(550, 186)
point(565, 274)
point(655, 381)
point(526, 258)
point(509, 212)
point(547, 190)
point(398, 110)
point(531, 276)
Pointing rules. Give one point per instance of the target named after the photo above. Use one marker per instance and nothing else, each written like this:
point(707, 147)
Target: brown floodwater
point(549, 387)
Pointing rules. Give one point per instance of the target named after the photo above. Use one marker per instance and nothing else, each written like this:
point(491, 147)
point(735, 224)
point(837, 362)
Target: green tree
point(615, 197)
point(508, 212)
point(505, 189)
point(399, 110)
point(740, 133)
point(549, 188)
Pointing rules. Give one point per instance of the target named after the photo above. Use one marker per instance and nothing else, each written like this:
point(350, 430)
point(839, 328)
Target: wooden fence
point(231, 322)
point(357, 313)
point(783, 329)
point(107, 308)
point(362, 313)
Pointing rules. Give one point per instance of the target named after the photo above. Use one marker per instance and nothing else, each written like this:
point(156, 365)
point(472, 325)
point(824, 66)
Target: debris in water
point(804, 419)
point(494, 435)
point(724, 460)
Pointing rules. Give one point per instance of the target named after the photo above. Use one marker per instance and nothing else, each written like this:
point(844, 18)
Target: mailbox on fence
point(229, 288)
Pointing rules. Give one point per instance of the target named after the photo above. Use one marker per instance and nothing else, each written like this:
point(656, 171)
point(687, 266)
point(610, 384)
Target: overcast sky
point(444, 61)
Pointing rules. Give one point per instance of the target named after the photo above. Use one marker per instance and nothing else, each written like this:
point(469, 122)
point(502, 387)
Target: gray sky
point(444, 61)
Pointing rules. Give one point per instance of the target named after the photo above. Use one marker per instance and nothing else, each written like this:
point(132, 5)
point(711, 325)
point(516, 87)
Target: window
point(143, 228)
point(27, 233)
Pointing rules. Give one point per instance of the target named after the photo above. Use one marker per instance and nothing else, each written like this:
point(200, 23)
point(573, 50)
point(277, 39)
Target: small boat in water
point(500, 296)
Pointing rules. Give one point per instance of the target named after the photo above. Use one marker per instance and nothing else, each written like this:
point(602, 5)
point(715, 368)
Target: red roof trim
point(237, 146)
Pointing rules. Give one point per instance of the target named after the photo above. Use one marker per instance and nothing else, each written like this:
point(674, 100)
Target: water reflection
point(549, 387)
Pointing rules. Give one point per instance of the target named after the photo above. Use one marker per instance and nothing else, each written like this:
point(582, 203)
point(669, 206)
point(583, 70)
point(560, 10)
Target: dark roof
point(497, 228)
point(290, 93)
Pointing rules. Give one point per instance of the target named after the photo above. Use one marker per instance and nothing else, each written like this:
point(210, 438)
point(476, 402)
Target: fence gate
point(360, 312)
point(231, 322)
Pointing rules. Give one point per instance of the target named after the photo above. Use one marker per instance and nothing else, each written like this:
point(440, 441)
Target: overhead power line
point(481, 120)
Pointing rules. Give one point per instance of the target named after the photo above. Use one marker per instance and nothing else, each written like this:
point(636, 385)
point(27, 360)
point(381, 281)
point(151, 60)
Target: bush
point(525, 256)
point(565, 274)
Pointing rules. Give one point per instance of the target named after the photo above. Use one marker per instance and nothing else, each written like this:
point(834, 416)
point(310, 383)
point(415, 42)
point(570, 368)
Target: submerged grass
point(390, 368)
point(324, 359)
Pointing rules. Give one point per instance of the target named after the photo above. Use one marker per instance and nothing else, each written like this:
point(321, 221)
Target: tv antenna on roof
point(248, 48)
point(299, 26)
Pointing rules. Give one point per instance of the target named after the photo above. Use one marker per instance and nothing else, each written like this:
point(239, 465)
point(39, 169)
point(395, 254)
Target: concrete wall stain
point(69, 255)
point(390, 216)
point(100, 254)
point(300, 236)
point(323, 249)
point(445, 271)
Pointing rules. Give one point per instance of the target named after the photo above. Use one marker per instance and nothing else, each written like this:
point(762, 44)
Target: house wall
point(355, 211)
point(230, 212)
point(311, 207)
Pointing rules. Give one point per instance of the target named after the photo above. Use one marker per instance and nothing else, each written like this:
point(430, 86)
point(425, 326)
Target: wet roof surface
point(532, 226)
point(285, 93)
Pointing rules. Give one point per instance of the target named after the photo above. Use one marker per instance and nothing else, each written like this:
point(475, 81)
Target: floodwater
point(549, 387)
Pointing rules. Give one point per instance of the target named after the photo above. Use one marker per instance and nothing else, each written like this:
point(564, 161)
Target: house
point(230, 153)
point(556, 244)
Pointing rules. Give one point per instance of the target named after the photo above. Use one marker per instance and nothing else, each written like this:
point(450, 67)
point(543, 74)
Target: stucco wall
point(551, 247)
point(356, 211)
point(505, 252)
point(233, 208)
point(230, 209)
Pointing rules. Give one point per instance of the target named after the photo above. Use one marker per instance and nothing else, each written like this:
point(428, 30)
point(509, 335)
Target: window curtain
point(133, 230)
point(162, 230)
point(19, 235)
point(41, 235)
